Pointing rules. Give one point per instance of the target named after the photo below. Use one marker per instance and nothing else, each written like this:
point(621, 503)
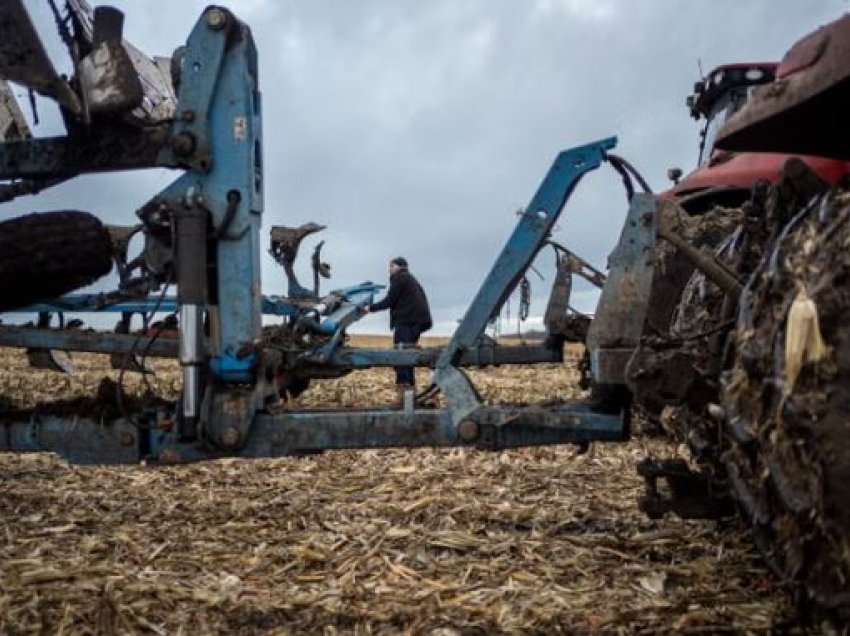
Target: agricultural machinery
point(698, 323)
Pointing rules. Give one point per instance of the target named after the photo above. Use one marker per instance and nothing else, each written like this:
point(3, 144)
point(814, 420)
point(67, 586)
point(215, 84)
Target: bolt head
point(183, 144)
point(468, 430)
point(216, 19)
point(230, 437)
point(169, 456)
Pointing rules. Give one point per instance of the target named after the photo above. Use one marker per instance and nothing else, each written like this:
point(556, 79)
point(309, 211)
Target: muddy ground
point(425, 541)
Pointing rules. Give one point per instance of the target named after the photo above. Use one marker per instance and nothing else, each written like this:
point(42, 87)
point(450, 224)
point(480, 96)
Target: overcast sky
point(419, 128)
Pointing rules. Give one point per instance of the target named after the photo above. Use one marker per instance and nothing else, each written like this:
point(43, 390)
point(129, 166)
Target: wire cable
point(120, 389)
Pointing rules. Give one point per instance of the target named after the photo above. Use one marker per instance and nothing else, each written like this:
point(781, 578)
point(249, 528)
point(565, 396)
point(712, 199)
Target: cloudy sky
point(419, 128)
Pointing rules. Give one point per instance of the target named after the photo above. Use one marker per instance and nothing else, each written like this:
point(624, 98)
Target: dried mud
point(801, 425)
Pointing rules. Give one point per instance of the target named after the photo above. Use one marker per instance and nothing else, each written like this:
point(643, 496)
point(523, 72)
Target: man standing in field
point(410, 315)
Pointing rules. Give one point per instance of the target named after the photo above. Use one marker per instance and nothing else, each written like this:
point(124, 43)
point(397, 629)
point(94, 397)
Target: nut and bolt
point(468, 430)
point(230, 437)
point(216, 19)
point(183, 144)
point(169, 456)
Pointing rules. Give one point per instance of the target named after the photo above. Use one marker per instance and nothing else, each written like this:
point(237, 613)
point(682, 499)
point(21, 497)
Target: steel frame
point(216, 139)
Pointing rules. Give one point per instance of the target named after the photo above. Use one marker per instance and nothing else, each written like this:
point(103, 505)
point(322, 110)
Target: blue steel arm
point(333, 324)
point(219, 116)
point(352, 310)
point(201, 66)
point(271, 305)
point(527, 240)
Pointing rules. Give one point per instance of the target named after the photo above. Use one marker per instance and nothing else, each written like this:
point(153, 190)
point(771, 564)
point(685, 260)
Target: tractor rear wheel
point(45, 255)
point(788, 411)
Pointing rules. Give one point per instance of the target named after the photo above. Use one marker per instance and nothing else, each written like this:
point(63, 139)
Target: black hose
point(624, 175)
point(630, 169)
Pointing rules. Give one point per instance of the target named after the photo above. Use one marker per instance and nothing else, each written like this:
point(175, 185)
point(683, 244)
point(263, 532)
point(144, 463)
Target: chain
point(524, 299)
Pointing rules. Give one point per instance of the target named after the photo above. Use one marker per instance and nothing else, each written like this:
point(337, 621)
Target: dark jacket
point(406, 301)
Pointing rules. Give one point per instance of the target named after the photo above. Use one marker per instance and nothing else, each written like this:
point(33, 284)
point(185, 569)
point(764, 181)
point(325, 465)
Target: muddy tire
point(706, 230)
point(657, 381)
point(777, 443)
point(788, 459)
point(45, 255)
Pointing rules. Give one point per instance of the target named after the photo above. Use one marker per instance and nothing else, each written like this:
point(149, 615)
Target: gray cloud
point(417, 128)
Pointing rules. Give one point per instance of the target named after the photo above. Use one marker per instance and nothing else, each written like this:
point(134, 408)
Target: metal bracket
point(622, 307)
point(527, 240)
point(201, 64)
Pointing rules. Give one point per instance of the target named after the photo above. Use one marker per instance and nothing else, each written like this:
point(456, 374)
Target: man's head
point(398, 263)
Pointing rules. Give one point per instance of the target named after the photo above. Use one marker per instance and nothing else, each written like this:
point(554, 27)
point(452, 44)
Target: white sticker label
point(240, 128)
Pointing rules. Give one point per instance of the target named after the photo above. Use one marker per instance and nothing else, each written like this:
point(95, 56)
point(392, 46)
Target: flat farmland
point(541, 540)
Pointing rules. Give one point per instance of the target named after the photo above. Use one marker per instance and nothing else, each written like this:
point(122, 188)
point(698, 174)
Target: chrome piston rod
point(191, 358)
point(191, 260)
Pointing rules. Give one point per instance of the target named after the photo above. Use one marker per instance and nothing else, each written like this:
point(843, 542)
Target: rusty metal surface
point(623, 303)
point(286, 240)
point(805, 110)
point(23, 59)
point(609, 364)
point(557, 310)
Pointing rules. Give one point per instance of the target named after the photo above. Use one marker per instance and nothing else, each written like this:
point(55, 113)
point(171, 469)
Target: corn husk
point(803, 341)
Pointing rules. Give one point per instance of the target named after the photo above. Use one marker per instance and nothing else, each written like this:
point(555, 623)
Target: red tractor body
point(724, 177)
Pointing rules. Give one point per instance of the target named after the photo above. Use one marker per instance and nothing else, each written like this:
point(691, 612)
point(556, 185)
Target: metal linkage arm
point(58, 158)
point(572, 263)
point(89, 441)
point(527, 240)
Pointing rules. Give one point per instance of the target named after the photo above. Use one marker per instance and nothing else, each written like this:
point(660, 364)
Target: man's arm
point(390, 299)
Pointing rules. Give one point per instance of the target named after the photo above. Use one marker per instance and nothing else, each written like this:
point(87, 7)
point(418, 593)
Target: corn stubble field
point(424, 541)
